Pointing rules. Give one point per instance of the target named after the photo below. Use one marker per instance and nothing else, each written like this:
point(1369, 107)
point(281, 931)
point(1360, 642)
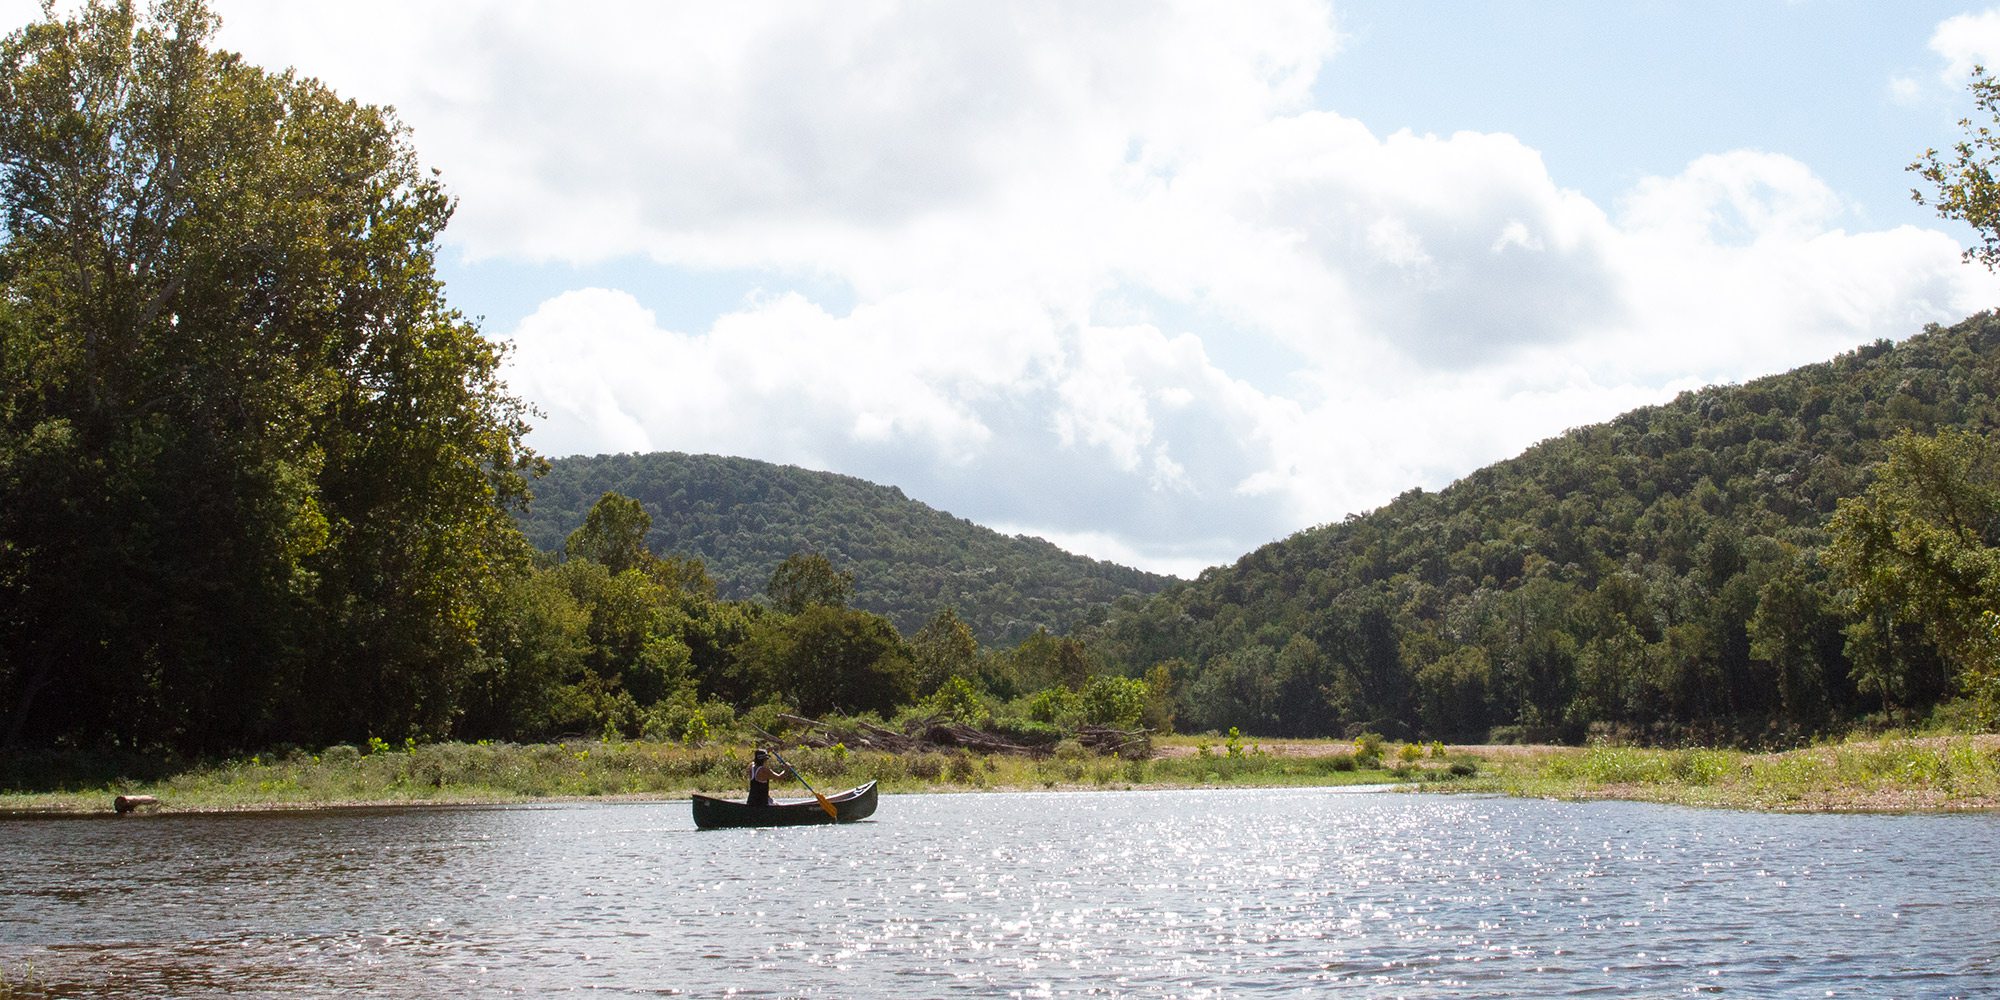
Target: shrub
point(958, 700)
point(1698, 767)
point(1057, 706)
point(926, 766)
point(962, 768)
point(1028, 731)
point(1117, 702)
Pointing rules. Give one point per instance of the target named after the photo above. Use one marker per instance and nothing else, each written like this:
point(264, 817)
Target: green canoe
point(713, 813)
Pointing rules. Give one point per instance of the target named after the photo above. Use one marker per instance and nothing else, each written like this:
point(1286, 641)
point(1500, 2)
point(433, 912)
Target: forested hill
point(1670, 574)
point(744, 517)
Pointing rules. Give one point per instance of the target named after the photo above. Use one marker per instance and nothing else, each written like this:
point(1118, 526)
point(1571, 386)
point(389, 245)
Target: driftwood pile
point(938, 732)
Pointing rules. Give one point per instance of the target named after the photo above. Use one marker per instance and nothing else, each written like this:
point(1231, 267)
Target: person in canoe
point(762, 773)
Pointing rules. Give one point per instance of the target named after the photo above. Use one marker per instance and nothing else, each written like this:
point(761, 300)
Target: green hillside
point(743, 517)
point(1666, 575)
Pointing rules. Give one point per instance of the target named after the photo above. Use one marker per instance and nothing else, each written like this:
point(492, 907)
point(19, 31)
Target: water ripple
point(1221, 893)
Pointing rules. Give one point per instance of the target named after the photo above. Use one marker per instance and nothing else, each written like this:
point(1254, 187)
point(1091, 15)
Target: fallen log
point(126, 803)
point(937, 732)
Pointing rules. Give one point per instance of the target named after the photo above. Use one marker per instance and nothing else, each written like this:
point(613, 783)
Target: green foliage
point(1028, 731)
point(613, 534)
point(1965, 186)
point(257, 471)
point(1113, 701)
point(1056, 706)
point(1919, 553)
point(956, 699)
point(1665, 576)
point(944, 648)
point(828, 659)
point(808, 579)
point(1161, 685)
point(743, 517)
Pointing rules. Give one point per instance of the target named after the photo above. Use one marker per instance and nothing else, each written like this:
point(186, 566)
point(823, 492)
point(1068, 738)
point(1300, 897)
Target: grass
point(1896, 773)
point(495, 772)
point(20, 984)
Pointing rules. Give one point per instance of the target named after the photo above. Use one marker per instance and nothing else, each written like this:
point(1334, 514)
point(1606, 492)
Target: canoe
point(712, 813)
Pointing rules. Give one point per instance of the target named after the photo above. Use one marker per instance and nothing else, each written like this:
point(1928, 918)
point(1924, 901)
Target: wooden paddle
point(824, 802)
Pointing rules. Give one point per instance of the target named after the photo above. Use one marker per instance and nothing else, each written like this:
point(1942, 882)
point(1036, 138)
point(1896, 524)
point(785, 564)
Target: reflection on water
point(1212, 893)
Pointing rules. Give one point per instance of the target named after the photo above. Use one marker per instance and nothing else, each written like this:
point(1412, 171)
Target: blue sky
point(1612, 92)
point(1158, 282)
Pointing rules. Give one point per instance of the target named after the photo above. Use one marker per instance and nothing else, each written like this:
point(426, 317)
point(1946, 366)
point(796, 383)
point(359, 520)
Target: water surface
point(1176, 893)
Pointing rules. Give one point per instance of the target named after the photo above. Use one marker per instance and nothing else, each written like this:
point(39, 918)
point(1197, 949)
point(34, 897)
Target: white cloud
point(1061, 225)
point(1966, 41)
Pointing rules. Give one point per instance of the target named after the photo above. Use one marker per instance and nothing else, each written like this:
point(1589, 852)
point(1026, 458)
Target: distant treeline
point(742, 518)
point(1746, 562)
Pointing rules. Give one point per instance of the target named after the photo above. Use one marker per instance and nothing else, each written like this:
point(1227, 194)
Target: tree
point(257, 473)
point(827, 659)
point(806, 579)
point(1110, 700)
point(1795, 630)
point(1966, 188)
point(536, 638)
point(1918, 554)
point(613, 533)
point(944, 648)
point(1162, 680)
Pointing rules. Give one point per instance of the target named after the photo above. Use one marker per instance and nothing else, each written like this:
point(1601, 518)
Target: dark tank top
point(760, 791)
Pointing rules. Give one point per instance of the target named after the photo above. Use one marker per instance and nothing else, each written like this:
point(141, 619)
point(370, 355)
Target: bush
point(765, 717)
point(1117, 702)
point(926, 766)
point(958, 701)
point(1698, 767)
point(1058, 706)
point(962, 768)
point(1028, 731)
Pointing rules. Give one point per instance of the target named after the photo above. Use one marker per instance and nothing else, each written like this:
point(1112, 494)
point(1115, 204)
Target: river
point(1223, 893)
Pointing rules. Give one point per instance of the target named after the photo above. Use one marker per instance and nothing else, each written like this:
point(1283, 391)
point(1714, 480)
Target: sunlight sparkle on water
point(1236, 893)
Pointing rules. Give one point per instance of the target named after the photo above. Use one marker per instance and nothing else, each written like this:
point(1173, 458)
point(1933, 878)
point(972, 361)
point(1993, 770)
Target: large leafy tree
point(806, 579)
point(613, 533)
point(831, 659)
point(944, 648)
point(256, 471)
point(1918, 555)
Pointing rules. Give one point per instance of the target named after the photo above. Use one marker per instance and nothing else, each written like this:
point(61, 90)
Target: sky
point(1158, 282)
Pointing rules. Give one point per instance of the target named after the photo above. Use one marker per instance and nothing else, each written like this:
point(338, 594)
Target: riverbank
point(462, 774)
point(1890, 774)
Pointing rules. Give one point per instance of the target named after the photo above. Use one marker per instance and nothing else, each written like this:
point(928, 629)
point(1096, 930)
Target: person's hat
point(762, 753)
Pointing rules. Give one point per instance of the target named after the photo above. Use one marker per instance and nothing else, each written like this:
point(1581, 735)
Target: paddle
point(824, 802)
